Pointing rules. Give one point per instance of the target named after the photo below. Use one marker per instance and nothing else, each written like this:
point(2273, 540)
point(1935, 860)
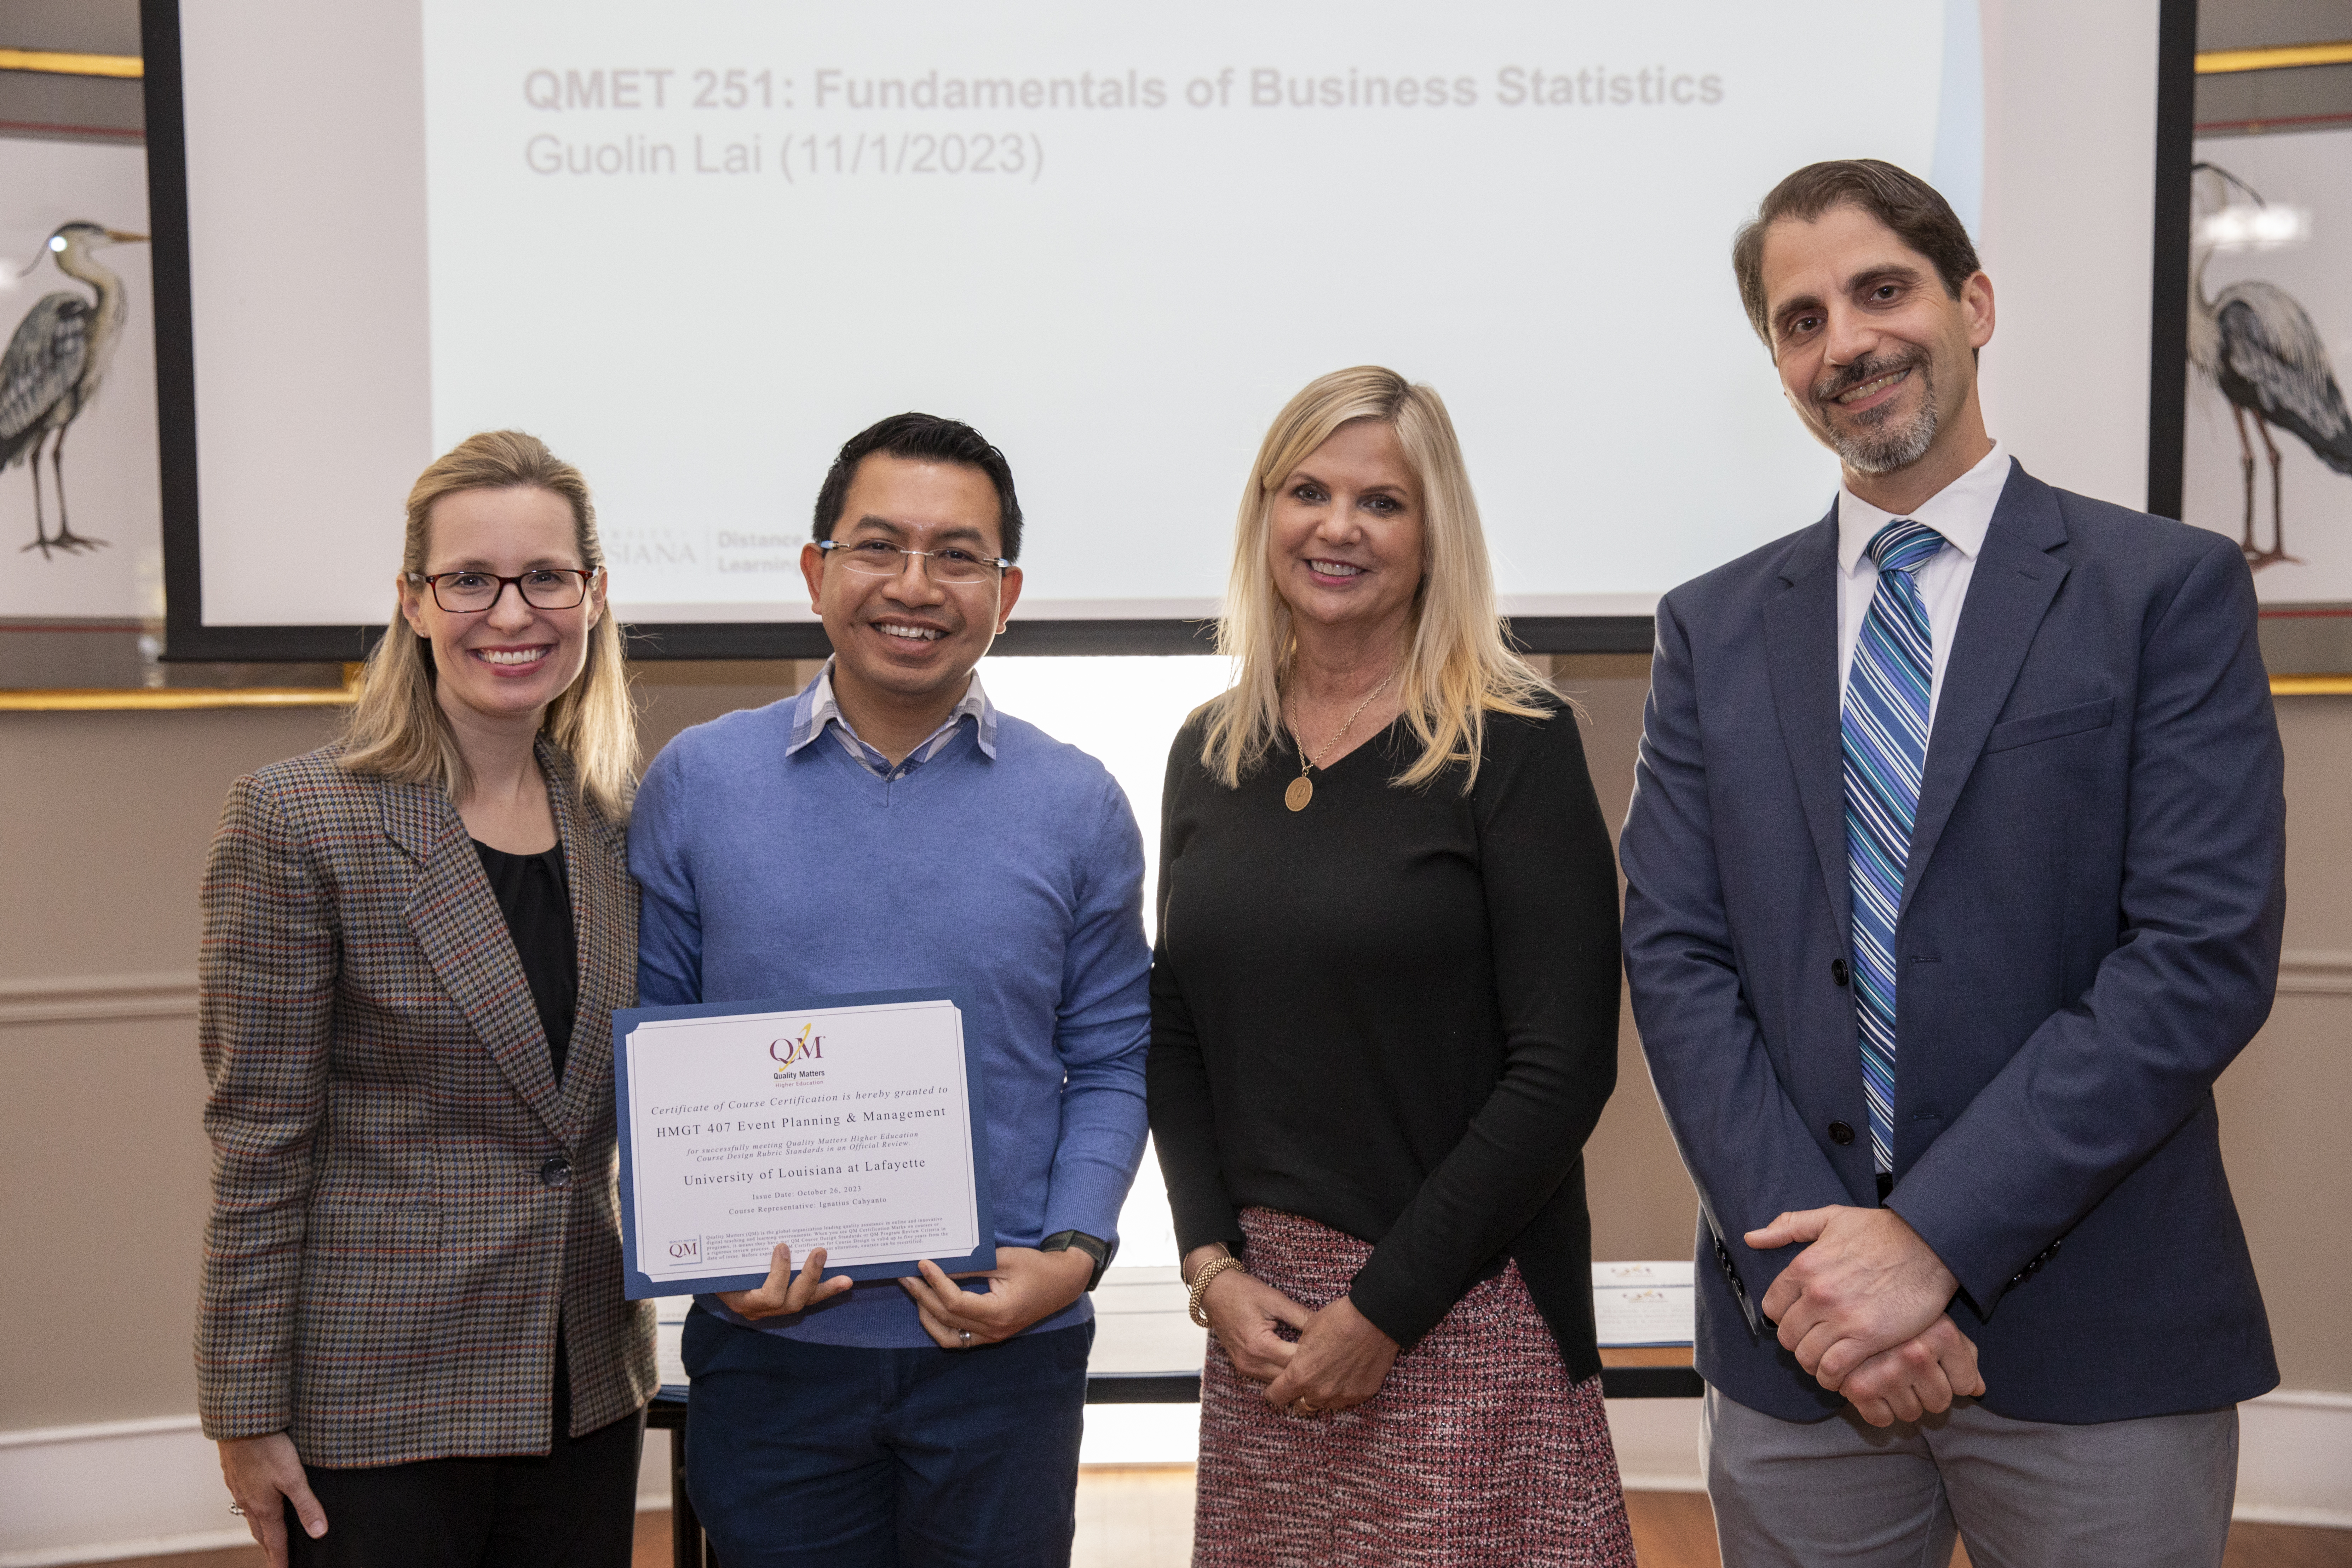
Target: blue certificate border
point(638, 1286)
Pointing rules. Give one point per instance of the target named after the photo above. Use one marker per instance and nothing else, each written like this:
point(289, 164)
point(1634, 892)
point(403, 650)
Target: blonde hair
point(397, 729)
point(1457, 666)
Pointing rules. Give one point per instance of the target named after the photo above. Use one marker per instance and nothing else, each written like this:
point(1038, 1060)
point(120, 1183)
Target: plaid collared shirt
point(824, 713)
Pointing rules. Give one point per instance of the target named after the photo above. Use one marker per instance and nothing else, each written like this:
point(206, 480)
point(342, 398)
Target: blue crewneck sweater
point(772, 867)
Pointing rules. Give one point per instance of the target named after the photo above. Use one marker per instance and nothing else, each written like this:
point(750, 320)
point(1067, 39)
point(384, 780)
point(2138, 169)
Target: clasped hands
point(1339, 1361)
point(1863, 1308)
point(1026, 1286)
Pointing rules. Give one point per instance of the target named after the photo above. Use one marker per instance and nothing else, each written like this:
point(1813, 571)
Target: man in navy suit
point(1955, 877)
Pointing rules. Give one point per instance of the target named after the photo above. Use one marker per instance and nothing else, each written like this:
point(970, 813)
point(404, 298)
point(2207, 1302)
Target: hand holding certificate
point(785, 1292)
point(849, 1124)
point(1025, 1285)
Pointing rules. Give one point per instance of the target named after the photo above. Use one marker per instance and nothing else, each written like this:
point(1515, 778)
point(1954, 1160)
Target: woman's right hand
point(264, 1474)
point(1243, 1310)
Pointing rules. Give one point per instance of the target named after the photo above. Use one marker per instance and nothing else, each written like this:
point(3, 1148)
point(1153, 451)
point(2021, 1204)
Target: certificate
point(1643, 1303)
point(853, 1123)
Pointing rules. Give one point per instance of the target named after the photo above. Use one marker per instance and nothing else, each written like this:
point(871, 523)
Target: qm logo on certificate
point(794, 1054)
point(687, 1251)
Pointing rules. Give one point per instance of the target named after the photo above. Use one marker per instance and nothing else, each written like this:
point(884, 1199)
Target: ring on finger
point(967, 1338)
point(237, 1509)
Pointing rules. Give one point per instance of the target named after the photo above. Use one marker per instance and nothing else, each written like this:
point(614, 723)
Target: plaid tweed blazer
point(390, 1244)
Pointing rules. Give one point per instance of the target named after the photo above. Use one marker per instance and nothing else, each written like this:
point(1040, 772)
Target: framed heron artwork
point(80, 508)
point(2267, 443)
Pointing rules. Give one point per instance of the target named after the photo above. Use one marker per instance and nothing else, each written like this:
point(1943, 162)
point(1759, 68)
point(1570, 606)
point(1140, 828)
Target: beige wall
point(2282, 1103)
point(104, 818)
point(103, 822)
point(1642, 1204)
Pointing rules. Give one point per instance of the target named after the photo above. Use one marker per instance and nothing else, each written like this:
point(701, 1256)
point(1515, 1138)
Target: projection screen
point(696, 247)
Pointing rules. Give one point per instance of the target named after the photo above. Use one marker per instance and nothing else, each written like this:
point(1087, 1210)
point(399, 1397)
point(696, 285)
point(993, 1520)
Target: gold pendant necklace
point(1302, 788)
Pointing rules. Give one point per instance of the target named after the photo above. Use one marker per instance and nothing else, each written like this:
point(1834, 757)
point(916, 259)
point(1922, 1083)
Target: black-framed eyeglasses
point(880, 558)
point(541, 587)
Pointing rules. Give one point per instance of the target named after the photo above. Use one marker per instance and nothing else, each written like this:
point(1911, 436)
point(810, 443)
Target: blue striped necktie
point(1885, 741)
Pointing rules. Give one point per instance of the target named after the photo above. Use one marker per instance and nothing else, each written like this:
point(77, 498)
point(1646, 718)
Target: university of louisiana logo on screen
point(797, 1055)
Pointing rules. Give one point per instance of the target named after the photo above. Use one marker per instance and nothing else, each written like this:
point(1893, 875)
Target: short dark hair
point(923, 439)
point(1904, 202)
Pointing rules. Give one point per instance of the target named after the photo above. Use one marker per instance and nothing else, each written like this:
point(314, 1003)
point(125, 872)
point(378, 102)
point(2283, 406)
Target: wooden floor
point(1141, 1516)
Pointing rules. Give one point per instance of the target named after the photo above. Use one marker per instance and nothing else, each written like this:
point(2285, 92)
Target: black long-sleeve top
point(535, 896)
point(1393, 1013)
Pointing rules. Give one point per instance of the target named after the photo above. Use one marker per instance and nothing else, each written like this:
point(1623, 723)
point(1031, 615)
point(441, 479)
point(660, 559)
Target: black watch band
point(1094, 1247)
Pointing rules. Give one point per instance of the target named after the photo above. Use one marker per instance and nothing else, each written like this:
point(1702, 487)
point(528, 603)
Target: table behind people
point(888, 829)
point(411, 1340)
point(1954, 880)
point(1385, 1008)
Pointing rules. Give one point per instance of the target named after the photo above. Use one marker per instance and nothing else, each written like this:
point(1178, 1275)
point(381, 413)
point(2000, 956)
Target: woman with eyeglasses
point(412, 1346)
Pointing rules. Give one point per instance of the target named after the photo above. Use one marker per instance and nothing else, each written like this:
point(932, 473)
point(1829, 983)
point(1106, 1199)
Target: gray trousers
point(2151, 1493)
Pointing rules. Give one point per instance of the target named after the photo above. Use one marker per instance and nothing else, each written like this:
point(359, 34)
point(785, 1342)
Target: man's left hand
point(1919, 1377)
point(1865, 1282)
point(1026, 1286)
point(1341, 1360)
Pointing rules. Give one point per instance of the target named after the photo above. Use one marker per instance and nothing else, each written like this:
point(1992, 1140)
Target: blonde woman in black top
point(1384, 1021)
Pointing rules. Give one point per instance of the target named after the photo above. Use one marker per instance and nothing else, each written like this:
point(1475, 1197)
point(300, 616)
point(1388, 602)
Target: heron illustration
point(2261, 350)
point(53, 367)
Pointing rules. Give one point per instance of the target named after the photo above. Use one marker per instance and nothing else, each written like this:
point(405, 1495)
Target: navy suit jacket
point(2089, 933)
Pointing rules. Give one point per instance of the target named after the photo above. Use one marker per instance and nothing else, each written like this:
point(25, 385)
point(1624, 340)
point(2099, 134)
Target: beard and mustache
point(1873, 443)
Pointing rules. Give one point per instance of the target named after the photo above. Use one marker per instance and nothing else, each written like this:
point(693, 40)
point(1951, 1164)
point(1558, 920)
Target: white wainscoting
point(144, 1488)
point(136, 1489)
point(2295, 1458)
point(1658, 1443)
point(116, 1489)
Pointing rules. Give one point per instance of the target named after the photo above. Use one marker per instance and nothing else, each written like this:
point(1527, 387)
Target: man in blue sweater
point(888, 829)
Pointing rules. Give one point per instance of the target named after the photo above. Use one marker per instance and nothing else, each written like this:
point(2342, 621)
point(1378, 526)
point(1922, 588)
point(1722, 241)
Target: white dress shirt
point(1961, 512)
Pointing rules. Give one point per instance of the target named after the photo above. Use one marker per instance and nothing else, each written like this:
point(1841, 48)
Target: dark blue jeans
point(834, 1455)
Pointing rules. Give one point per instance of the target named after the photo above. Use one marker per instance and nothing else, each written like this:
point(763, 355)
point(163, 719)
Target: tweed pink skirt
point(1477, 1451)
